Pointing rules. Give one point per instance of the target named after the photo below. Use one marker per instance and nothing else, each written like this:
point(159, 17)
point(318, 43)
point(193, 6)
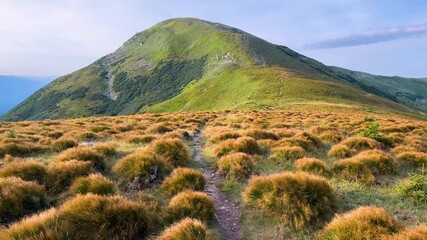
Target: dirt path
point(228, 212)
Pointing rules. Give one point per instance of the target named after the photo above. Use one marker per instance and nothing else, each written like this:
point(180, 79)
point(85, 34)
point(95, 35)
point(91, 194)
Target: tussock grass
point(83, 154)
point(417, 233)
point(287, 153)
point(173, 151)
point(261, 134)
point(243, 144)
point(19, 197)
point(61, 174)
point(367, 223)
point(236, 165)
point(183, 179)
point(313, 166)
point(94, 183)
point(26, 170)
point(63, 143)
point(219, 137)
point(191, 204)
point(340, 151)
point(186, 229)
point(300, 199)
point(360, 143)
point(413, 158)
point(142, 168)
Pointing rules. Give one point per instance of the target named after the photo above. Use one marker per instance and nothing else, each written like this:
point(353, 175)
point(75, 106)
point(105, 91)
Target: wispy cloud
point(374, 36)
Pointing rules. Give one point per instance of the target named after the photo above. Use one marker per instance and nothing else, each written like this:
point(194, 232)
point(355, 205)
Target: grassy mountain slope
point(189, 64)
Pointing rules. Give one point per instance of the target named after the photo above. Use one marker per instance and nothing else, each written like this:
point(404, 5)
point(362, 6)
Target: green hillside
point(189, 64)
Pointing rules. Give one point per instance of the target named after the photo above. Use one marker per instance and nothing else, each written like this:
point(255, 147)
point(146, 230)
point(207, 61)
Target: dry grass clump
point(61, 174)
point(196, 205)
point(299, 198)
point(186, 229)
point(313, 166)
point(20, 149)
point(287, 153)
point(236, 165)
point(19, 197)
point(224, 136)
point(63, 143)
point(340, 151)
point(140, 139)
point(417, 233)
point(261, 134)
point(106, 149)
point(172, 150)
point(26, 170)
point(412, 158)
point(85, 217)
point(159, 129)
point(360, 143)
point(243, 144)
point(402, 148)
point(330, 137)
point(94, 183)
point(83, 154)
point(179, 133)
point(367, 223)
point(378, 161)
point(183, 179)
point(142, 168)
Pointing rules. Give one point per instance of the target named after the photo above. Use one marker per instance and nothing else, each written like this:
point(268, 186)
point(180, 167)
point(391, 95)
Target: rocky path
point(228, 212)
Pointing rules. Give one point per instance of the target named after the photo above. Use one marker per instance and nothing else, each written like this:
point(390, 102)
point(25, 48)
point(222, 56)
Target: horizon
point(53, 39)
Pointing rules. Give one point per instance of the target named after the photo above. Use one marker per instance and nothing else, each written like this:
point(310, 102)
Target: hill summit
point(188, 64)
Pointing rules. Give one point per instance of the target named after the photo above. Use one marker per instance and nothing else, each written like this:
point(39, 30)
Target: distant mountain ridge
point(188, 64)
point(15, 89)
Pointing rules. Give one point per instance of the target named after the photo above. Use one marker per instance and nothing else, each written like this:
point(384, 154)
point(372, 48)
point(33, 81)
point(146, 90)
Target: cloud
point(375, 36)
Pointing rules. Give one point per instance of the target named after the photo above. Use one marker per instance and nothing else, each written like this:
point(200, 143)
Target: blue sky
point(387, 37)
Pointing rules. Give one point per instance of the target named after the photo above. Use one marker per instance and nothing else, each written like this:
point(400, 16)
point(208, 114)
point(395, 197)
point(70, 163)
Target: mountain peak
point(187, 64)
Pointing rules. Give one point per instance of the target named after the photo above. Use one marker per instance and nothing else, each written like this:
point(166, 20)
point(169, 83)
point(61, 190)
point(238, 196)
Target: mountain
point(189, 64)
point(15, 89)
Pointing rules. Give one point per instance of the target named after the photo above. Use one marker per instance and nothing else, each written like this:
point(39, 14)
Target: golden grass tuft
point(26, 170)
point(417, 233)
point(94, 183)
point(412, 158)
point(243, 144)
point(367, 223)
point(19, 198)
point(83, 154)
point(186, 229)
point(287, 153)
point(360, 143)
point(61, 174)
point(172, 150)
point(236, 165)
point(142, 168)
point(259, 134)
point(313, 166)
point(196, 205)
point(183, 179)
point(224, 136)
point(299, 198)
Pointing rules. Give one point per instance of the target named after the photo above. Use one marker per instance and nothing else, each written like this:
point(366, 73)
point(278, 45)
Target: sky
point(56, 37)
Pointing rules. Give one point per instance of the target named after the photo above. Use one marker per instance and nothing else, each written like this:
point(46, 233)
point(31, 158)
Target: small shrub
point(61, 174)
point(360, 143)
point(26, 170)
point(183, 179)
point(83, 154)
point(142, 168)
point(173, 151)
point(367, 223)
point(313, 166)
point(236, 165)
point(94, 183)
point(287, 153)
point(340, 151)
point(299, 198)
point(417, 233)
point(413, 158)
point(186, 229)
point(196, 205)
point(19, 198)
point(415, 188)
point(372, 131)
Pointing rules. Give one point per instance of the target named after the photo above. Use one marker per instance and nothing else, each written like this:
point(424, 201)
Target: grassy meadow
point(294, 175)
